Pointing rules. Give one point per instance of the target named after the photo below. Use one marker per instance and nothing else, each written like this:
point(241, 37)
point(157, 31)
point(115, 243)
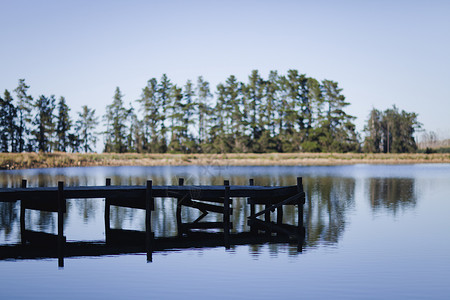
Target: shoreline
point(13, 161)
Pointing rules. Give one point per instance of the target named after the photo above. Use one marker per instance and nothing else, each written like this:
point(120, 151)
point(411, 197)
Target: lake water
point(372, 232)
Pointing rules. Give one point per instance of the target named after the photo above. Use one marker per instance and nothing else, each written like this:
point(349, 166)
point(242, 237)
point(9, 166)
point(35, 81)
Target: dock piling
point(61, 209)
point(107, 213)
point(253, 229)
point(22, 215)
point(149, 206)
point(226, 214)
point(300, 203)
point(178, 212)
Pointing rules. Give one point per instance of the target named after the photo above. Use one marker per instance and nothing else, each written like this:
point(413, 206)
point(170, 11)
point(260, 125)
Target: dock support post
point(22, 215)
point(149, 206)
point(178, 213)
point(107, 214)
point(267, 214)
point(251, 182)
point(267, 218)
point(280, 215)
point(226, 214)
point(61, 209)
point(300, 203)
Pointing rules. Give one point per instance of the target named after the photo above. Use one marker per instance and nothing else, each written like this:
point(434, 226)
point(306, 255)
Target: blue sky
point(380, 52)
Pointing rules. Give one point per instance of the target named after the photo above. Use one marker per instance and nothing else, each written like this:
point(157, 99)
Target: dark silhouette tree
point(44, 123)
point(8, 125)
point(116, 127)
point(63, 126)
point(24, 109)
point(85, 127)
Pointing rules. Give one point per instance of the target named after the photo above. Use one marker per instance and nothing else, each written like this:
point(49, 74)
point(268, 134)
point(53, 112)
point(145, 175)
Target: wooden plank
point(207, 199)
point(99, 248)
point(41, 238)
point(273, 227)
point(213, 192)
point(13, 194)
point(290, 199)
point(121, 192)
point(270, 200)
point(203, 225)
point(204, 206)
point(128, 237)
point(46, 204)
point(204, 214)
point(138, 203)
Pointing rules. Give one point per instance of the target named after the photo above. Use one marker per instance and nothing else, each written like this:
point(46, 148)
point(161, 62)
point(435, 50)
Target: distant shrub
point(443, 150)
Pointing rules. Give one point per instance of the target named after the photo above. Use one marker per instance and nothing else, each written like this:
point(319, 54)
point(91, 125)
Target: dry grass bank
point(52, 160)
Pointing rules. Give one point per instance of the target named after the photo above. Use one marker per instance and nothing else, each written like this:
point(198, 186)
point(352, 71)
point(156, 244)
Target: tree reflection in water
point(392, 194)
point(8, 217)
point(327, 201)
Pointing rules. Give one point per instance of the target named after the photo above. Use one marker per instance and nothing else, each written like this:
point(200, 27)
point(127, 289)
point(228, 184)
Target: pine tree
point(188, 109)
point(135, 137)
point(3, 123)
point(203, 109)
point(272, 104)
point(236, 121)
point(176, 119)
point(152, 117)
point(116, 127)
point(314, 115)
point(164, 99)
point(85, 127)
point(219, 127)
point(268, 141)
point(63, 125)
point(44, 123)
point(288, 116)
point(372, 142)
point(253, 93)
point(24, 108)
point(8, 126)
point(339, 130)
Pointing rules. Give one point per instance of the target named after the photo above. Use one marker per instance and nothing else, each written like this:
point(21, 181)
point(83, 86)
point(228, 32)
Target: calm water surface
point(372, 232)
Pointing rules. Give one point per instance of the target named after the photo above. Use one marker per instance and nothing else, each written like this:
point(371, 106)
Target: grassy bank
point(11, 161)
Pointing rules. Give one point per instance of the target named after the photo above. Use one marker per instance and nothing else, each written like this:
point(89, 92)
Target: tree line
point(280, 113)
point(43, 124)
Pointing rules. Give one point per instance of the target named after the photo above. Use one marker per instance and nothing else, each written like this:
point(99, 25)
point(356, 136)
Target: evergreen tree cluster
point(280, 113)
point(43, 124)
point(390, 131)
point(283, 113)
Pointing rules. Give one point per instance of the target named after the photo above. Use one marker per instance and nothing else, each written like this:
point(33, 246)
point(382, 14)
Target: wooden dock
point(206, 199)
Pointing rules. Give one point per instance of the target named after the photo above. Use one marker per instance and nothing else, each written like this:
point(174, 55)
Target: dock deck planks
point(163, 191)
